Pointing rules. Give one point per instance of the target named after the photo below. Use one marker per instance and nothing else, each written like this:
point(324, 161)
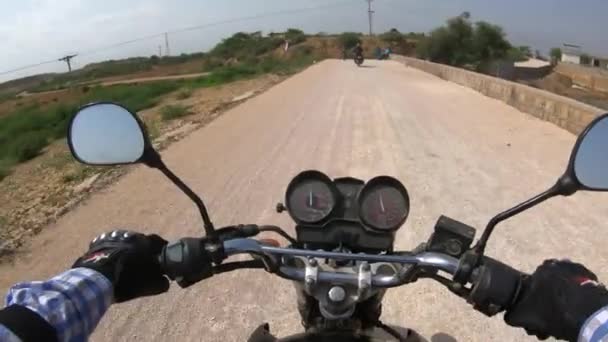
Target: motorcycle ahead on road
point(342, 259)
point(359, 59)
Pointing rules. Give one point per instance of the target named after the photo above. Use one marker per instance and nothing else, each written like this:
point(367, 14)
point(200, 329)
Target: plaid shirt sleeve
point(72, 302)
point(595, 328)
point(7, 335)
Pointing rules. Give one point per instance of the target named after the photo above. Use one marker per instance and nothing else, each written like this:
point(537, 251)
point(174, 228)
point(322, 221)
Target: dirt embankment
point(563, 85)
point(45, 188)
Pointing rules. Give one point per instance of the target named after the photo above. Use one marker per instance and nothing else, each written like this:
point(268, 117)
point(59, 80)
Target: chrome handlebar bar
point(432, 260)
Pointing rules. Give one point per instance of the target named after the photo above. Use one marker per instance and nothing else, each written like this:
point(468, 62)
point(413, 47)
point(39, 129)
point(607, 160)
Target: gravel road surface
point(459, 154)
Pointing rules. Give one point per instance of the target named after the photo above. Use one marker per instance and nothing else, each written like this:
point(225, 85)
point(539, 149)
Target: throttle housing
point(496, 286)
point(186, 261)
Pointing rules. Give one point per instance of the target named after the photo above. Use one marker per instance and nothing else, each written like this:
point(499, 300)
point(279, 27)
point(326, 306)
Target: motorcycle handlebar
point(432, 260)
point(495, 286)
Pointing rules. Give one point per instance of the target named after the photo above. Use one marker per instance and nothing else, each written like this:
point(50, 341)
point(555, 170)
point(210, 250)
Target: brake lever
point(232, 266)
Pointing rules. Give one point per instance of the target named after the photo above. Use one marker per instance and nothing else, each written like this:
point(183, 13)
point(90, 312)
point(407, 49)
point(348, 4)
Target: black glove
point(557, 300)
point(130, 261)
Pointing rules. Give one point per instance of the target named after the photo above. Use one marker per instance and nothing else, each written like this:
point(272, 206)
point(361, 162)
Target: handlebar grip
point(496, 286)
point(186, 261)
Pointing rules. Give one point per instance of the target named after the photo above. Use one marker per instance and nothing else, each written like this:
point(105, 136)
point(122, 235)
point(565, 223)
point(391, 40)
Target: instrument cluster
point(346, 212)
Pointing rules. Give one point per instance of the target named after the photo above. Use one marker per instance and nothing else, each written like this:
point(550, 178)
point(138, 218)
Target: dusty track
point(154, 78)
point(459, 154)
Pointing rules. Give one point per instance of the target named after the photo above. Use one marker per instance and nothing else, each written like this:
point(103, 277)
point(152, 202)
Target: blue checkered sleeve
point(595, 328)
point(72, 302)
point(7, 335)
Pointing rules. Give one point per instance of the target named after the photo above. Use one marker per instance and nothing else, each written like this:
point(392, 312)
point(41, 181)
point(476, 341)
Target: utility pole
point(167, 51)
point(160, 51)
point(67, 59)
point(370, 13)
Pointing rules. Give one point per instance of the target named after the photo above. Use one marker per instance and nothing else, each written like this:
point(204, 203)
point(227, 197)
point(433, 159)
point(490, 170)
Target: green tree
point(556, 54)
point(393, 36)
point(460, 43)
point(516, 55)
point(525, 50)
point(489, 42)
point(348, 40)
point(295, 36)
point(450, 44)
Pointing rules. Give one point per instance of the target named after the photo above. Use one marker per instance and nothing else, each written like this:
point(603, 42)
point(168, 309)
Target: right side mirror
point(587, 170)
point(588, 165)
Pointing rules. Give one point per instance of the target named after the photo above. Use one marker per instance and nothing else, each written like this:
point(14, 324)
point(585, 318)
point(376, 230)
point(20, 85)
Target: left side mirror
point(107, 134)
point(588, 166)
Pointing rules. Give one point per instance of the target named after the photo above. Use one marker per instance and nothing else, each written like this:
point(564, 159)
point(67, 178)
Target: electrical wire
point(27, 67)
point(264, 15)
point(194, 28)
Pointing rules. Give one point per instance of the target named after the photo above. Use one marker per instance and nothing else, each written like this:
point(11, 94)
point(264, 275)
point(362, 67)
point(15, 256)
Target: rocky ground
point(45, 188)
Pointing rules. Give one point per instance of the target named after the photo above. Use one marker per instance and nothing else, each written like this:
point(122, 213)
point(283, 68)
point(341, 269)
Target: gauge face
point(384, 204)
point(311, 197)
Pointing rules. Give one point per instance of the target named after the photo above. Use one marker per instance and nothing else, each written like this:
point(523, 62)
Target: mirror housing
point(588, 165)
point(106, 133)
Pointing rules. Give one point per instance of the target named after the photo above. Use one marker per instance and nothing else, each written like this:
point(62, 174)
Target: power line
point(193, 28)
point(263, 15)
point(27, 67)
point(222, 22)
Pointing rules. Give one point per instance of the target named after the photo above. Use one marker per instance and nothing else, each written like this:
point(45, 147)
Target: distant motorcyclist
point(358, 50)
point(560, 299)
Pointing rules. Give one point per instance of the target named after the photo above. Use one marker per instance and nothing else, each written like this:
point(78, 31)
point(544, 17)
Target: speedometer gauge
point(311, 197)
point(383, 204)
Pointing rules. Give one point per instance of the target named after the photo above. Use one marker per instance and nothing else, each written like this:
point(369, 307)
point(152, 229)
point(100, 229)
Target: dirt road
point(154, 78)
point(458, 152)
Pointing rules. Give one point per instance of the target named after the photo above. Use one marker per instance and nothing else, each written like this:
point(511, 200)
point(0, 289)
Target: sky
point(43, 30)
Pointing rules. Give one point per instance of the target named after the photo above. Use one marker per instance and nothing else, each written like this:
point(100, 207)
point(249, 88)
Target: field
point(40, 181)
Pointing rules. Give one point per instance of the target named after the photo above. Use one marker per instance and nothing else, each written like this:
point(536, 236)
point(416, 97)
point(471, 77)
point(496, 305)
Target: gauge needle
point(310, 199)
point(381, 203)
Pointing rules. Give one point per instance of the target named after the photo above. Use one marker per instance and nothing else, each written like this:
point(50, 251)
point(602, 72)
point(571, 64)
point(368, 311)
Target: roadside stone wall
point(561, 111)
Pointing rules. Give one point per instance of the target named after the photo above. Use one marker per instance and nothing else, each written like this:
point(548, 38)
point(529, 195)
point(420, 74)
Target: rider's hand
point(130, 261)
point(557, 300)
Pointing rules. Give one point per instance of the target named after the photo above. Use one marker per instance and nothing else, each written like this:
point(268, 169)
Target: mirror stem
point(155, 161)
point(481, 244)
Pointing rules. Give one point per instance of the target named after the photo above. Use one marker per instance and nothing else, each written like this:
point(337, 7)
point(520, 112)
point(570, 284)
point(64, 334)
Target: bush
point(349, 40)
point(27, 146)
point(243, 44)
point(212, 63)
point(27, 130)
point(170, 112)
point(5, 168)
point(184, 94)
point(295, 36)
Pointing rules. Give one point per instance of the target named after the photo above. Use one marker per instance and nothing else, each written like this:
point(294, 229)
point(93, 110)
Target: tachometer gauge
point(383, 204)
point(310, 197)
